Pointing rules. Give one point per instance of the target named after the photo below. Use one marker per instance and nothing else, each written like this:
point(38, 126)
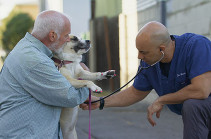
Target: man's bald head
point(153, 42)
point(154, 33)
point(49, 20)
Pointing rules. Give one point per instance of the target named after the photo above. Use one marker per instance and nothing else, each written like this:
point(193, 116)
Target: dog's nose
point(88, 41)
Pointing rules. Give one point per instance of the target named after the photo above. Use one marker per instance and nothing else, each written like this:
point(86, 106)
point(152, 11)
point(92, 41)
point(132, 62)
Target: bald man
point(32, 90)
point(181, 77)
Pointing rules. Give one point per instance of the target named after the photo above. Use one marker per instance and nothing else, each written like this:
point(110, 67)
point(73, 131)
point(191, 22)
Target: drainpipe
point(42, 5)
point(163, 12)
point(93, 9)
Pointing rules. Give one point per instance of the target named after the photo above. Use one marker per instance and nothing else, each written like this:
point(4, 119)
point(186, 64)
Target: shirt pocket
point(181, 82)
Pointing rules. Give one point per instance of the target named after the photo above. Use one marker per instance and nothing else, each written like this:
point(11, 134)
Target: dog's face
point(77, 46)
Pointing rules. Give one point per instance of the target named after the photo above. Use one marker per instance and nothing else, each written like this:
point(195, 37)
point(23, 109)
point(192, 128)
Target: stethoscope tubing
point(139, 71)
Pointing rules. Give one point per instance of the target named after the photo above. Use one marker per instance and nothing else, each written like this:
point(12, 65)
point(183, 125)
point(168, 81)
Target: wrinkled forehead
point(142, 43)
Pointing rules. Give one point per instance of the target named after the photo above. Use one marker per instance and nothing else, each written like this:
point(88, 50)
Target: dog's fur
point(73, 71)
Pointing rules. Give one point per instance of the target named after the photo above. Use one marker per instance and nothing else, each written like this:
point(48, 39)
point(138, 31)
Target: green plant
point(15, 29)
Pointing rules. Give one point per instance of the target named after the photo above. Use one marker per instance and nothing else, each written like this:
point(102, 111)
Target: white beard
point(58, 51)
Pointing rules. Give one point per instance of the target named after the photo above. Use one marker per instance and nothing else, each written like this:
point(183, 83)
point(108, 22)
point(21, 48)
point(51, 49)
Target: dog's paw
point(109, 74)
point(94, 87)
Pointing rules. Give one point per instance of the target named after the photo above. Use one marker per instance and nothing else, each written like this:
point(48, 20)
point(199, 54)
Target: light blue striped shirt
point(32, 93)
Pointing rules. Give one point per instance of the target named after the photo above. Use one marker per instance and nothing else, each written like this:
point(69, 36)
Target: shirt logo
point(181, 74)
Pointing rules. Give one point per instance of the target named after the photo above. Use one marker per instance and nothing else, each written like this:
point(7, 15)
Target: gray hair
point(47, 21)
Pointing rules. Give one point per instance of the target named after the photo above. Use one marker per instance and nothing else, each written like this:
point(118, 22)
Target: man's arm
point(199, 88)
point(126, 97)
point(48, 86)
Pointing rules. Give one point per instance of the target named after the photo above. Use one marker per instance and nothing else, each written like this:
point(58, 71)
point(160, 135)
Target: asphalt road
point(129, 123)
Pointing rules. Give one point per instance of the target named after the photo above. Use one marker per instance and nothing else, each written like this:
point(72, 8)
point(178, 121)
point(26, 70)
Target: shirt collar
point(39, 45)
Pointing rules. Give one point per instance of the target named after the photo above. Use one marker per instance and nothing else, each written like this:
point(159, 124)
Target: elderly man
point(32, 91)
point(182, 78)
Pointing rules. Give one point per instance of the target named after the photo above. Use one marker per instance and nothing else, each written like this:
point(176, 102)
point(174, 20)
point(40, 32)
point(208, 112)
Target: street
point(129, 123)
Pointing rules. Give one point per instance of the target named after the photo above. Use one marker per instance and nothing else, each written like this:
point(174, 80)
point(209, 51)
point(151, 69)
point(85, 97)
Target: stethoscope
point(139, 71)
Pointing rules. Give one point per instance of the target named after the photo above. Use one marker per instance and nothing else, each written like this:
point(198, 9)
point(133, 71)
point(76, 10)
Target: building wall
point(181, 16)
point(127, 33)
point(148, 10)
point(189, 16)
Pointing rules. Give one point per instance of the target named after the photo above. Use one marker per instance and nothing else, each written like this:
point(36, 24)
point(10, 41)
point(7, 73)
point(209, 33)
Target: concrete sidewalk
point(129, 123)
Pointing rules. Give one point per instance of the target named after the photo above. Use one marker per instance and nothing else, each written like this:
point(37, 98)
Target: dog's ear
point(74, 38)
point(71, 36)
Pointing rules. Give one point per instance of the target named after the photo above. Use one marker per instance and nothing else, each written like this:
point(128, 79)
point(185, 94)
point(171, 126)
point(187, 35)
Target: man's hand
point(93, 105)
point(155, 107)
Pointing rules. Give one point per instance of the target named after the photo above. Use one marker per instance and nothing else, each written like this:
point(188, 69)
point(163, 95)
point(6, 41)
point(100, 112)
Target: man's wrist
point(159, 100)
point(102, 102)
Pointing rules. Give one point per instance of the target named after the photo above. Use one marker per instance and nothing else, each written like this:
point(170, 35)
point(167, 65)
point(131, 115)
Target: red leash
point(90, 113)
point(60, 64)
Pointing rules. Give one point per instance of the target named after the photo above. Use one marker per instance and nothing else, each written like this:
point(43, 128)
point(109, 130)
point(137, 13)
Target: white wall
point(189, 16)
point(80, 14)
point(56, 5)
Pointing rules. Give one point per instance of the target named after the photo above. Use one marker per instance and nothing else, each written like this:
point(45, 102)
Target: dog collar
point(61, 62)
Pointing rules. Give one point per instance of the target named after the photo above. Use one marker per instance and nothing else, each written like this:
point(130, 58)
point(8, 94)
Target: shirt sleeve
point(199, 57)
point(47, 85)
point(141, 82)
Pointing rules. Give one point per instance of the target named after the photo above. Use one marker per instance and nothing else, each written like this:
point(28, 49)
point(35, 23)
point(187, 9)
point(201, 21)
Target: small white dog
point(68, 59)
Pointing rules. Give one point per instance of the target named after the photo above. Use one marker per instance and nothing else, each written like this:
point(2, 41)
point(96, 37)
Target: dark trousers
point(196, 115)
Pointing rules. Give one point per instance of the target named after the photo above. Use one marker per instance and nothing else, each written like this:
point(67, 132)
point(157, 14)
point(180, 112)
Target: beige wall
point(31, 9)
point(127, 33)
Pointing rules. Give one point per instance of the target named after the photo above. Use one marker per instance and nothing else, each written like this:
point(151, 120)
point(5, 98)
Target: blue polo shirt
point(192, 57)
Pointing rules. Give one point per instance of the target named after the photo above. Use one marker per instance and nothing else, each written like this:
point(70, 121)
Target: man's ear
point(52, 36)
point(162, 47)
